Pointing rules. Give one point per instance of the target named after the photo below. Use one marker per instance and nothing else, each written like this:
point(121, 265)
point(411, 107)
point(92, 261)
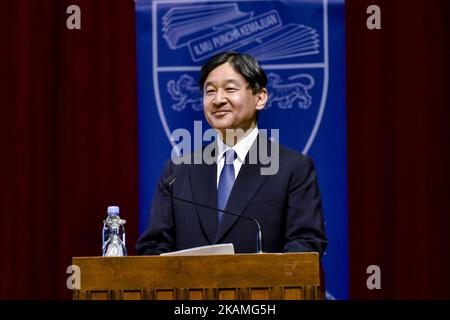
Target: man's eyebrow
point(226, 81)
point(207, 84)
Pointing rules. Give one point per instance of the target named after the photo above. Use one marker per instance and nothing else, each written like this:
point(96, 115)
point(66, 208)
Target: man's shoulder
point(289, 154)
point(292, 154)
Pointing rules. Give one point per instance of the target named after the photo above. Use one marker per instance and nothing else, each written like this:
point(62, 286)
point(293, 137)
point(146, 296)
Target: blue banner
point(301, 46)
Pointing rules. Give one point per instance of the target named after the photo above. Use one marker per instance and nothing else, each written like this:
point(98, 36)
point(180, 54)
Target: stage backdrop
point(301, 46)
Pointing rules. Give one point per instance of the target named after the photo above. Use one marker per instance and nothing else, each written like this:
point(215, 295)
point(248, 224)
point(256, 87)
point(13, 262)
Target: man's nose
point(219, 98)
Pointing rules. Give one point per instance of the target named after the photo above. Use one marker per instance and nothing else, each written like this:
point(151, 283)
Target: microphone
point(167, 185)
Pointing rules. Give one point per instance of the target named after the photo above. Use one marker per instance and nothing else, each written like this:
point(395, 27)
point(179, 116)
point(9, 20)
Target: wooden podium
point(273, 276)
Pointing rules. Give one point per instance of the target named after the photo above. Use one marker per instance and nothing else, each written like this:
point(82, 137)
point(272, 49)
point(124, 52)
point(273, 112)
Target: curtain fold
point(399, 133)
point(68, 138)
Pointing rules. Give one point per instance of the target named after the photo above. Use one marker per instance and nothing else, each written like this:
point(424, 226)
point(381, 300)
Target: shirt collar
point(241, 148)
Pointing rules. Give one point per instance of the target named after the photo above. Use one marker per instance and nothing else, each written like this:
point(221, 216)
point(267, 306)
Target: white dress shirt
point(241, 148)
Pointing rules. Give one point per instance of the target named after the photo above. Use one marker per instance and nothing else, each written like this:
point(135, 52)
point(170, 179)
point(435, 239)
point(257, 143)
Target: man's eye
point(209, 91)
point(230, 89)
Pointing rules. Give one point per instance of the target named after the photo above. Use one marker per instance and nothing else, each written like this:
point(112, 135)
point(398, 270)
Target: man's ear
point(262, 97)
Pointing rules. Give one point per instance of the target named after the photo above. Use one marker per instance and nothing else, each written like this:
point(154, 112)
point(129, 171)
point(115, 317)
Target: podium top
point(206, 271)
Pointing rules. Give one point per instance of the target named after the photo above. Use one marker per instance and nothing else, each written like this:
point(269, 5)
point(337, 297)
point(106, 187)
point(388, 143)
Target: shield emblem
point(290, 40)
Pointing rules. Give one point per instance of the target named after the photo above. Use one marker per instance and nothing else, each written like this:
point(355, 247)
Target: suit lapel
point(203, 179)
point(247, 184)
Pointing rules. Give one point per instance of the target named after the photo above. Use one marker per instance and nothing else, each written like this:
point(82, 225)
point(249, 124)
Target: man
point(286, 202)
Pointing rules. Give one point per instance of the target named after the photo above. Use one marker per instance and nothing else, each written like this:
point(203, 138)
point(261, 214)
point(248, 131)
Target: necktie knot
point(230, 156)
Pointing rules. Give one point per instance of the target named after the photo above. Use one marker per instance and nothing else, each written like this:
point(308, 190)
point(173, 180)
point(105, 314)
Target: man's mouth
point(220, 113)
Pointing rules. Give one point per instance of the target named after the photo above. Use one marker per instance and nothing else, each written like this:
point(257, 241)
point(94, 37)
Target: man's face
point(227, 100)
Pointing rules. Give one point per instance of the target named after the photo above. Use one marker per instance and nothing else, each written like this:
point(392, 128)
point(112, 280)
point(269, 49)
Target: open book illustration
point(224, 248)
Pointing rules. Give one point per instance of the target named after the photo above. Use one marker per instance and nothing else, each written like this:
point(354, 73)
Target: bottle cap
point(113, 211)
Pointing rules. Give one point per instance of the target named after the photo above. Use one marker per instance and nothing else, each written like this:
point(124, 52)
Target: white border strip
point(155, 78)
point(325, 80)
point(264, 66)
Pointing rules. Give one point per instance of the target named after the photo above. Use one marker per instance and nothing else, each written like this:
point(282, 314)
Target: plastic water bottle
point(114, 234)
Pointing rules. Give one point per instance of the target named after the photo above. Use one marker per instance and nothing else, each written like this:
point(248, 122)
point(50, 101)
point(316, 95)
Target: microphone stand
point(259, 243)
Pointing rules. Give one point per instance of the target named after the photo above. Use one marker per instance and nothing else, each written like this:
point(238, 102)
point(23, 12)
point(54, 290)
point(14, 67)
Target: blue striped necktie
point(226, 181)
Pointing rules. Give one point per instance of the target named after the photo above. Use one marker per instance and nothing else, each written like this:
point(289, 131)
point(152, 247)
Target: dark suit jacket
point(286, 204)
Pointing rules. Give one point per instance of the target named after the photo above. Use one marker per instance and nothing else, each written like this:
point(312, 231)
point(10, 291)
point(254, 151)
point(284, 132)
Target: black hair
point(244, 64)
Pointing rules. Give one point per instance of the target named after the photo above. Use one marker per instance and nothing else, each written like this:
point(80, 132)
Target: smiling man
point(231, 102)
point(286, 203)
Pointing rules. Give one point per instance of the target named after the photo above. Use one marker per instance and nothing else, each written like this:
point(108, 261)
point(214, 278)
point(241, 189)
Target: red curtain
point(398, 148)
point(68, 138)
